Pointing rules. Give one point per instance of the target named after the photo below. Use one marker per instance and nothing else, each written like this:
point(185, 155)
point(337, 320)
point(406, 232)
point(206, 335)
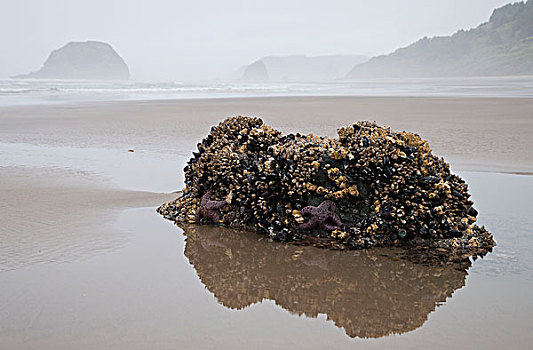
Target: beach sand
point(57, 215)
point(471, 133)
point(85, 262)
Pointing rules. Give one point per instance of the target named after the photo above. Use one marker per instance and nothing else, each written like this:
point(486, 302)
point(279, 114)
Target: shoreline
point(176, 100)
point(20, 92)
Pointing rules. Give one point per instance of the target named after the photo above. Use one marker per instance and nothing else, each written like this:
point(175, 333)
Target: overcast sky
point(169, 40)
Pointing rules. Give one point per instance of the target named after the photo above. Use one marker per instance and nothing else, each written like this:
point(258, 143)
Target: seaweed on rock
point(386, 187)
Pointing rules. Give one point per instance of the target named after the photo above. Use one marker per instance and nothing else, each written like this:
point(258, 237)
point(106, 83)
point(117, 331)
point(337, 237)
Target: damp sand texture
point(91, 265)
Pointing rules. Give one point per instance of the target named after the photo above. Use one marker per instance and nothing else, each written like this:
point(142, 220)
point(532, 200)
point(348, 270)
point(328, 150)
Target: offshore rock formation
point(90, 60)
point(368, 293)
point(300, 68)
point(257, 71)
point(386, 187)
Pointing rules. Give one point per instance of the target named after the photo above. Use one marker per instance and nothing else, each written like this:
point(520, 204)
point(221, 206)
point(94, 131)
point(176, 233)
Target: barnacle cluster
point(387, 187)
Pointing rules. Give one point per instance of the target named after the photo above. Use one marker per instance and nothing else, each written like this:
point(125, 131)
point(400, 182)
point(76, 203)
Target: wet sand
point(58, 215)
point(85, 262)
point(472, 133)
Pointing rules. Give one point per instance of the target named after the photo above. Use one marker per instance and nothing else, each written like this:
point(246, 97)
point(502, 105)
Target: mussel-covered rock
point(371, 186)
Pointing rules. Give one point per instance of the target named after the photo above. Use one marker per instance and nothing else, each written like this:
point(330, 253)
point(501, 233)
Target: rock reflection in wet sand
point(368, 293)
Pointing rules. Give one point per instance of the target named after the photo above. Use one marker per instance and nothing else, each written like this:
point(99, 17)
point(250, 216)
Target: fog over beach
point(178, 41)
point(102, 105)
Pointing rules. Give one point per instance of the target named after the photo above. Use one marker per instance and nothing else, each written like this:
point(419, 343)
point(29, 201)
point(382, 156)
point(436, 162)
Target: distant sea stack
point(502, 46)
point(255, 72)
point(90, 60)
point(300, 68)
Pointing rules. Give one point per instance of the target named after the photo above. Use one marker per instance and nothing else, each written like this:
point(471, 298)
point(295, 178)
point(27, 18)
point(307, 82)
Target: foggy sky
point(168, 40)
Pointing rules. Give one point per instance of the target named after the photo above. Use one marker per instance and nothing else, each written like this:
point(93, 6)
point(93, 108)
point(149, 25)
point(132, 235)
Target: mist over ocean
point(30, 91)
point(269, 175)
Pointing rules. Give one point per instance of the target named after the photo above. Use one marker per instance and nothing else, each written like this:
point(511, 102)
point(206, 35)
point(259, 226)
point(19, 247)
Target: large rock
point(255, 72)
point(300, 68)
point(369, 187)
point(91, 60)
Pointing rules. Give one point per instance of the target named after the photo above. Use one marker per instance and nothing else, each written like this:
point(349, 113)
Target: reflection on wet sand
point(368, 293)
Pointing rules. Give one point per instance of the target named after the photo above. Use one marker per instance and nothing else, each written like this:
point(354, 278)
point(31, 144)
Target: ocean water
point(26, 92)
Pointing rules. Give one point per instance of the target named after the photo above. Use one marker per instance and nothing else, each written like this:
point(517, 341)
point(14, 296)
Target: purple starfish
point(209, 209)
point(323, 216)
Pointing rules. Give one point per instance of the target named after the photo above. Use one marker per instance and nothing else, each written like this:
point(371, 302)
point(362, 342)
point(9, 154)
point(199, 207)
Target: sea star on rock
point(323, 216)
point(209, 209)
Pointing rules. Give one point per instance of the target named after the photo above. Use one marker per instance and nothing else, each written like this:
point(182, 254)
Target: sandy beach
point(86, 262)
point(471, 133)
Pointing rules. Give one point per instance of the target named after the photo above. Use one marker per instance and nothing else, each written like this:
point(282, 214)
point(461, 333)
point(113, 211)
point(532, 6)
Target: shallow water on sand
point(86, 262)
point(118, 167)
point(209, 287)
